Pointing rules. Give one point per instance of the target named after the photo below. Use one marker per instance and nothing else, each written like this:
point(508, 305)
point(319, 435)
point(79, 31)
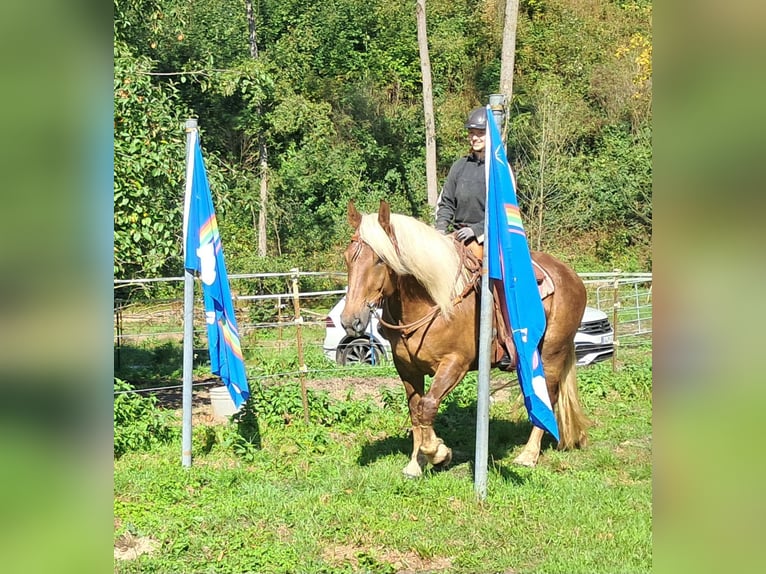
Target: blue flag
point(204, 254)
point(510, 265)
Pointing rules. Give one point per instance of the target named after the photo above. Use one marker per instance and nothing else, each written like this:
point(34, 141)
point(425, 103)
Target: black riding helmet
point(477, 119)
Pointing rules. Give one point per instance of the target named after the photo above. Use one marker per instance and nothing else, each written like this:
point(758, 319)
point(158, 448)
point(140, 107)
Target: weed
point(139, 424)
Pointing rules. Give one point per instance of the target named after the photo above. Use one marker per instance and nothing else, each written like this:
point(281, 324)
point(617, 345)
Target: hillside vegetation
point(331, 90)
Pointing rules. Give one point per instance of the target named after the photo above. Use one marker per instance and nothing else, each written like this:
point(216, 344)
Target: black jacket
point(461, 202)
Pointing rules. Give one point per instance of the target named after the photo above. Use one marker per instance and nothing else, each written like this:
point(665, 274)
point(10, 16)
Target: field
point(268, 493)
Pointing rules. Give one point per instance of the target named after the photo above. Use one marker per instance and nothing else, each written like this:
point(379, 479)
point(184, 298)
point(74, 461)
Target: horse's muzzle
point(355, 324)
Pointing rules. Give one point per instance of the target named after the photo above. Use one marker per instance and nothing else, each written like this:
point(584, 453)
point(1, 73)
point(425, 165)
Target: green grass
point(330, 498)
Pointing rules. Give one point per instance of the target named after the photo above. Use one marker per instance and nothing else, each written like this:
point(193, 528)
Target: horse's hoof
point(528, 461)
point(412, 470)
point(430, 451)
point(443, 458)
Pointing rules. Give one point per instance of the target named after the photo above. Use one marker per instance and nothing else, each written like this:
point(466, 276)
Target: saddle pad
point(546, 285)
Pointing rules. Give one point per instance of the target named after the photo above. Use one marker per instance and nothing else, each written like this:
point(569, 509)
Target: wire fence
point(626, 298)
point(282, 318)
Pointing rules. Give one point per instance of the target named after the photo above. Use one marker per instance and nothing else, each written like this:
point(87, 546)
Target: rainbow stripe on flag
point(513, 216)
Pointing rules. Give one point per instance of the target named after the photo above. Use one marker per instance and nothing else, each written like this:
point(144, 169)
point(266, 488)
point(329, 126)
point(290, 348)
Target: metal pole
point(482, 402)
point(118, 318)
point(485, 340)
point(615, 316)
point(188, 353)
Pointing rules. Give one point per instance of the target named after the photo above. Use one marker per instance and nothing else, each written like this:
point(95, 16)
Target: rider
point(461, 202)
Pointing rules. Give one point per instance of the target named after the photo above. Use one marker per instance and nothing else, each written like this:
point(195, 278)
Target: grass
point(330, 498)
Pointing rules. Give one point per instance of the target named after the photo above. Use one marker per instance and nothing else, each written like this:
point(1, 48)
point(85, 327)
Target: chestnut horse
point(416, 274)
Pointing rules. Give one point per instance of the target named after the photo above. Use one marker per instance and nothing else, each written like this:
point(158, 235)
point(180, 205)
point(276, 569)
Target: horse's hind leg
point(414, 390)
point(531, 451)
point(552, 364)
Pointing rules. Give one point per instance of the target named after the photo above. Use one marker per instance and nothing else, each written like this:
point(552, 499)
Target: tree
point(262, 149)
point(508, 54)
point(428, 102)
point(342, 95)
point(148, 170)
point(548, 134)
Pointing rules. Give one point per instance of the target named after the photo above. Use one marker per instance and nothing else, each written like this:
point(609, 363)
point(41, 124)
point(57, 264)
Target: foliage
point(283, 404)
point(150, 361)
point(632, 380)
point(148, 147)
point(335, 96)
point(139, 424)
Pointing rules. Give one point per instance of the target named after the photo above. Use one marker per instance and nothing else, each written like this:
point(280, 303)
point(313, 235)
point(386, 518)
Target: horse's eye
point(378, 261)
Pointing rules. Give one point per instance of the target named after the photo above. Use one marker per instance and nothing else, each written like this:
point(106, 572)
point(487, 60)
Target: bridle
point(360, 244)
point(468, 260)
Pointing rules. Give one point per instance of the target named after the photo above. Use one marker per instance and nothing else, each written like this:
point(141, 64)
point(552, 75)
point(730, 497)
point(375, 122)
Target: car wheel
point(360, 351)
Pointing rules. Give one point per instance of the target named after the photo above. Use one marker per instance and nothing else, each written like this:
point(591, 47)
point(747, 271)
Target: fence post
point(299, 335)
point(118, 304)
point(615, 316)
point(279, 324)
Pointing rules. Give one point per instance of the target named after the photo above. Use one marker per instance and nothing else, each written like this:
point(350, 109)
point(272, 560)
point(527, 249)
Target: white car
point(594, 340)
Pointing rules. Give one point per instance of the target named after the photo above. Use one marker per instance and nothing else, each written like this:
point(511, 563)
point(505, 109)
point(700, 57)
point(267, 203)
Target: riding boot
point(505, 363)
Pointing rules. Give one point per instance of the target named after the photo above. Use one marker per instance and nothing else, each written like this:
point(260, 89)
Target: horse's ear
point(384, 217)
point(354, 217)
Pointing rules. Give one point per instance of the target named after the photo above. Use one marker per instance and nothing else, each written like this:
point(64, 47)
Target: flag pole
point(188, 352)
point(485, 340)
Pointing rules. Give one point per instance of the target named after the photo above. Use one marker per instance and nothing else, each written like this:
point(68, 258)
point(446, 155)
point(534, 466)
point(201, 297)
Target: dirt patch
point(356, 387)
point(129, 547)
point(338, 388)
point(404, 562)
point(202, 410)
point(341, 388)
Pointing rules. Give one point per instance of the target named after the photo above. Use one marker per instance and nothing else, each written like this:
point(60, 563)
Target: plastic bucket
point(223, 405)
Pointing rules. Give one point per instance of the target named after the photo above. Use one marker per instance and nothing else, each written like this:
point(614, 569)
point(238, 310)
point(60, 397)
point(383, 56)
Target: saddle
point(503, 340)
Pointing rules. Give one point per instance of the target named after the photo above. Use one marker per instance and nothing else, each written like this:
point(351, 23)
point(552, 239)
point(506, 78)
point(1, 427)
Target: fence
point(282, 319)
point(626, 298)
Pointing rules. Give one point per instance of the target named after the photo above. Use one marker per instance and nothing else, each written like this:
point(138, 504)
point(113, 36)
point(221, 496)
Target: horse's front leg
point(449, 373)
point(414, 389)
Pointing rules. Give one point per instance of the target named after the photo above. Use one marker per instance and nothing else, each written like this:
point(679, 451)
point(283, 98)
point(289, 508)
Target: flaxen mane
point(423, 253)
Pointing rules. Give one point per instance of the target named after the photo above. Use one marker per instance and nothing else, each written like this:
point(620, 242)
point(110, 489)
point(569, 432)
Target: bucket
point(223, 405)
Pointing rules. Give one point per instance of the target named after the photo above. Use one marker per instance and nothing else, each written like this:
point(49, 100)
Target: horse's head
point(370, 279)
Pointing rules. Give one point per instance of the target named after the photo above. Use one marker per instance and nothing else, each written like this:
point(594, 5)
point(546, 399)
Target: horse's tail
point(573, 423)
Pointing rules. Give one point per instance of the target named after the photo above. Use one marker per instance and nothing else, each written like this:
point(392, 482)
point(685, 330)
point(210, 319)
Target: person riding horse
point(399, 263)
point(461, 201)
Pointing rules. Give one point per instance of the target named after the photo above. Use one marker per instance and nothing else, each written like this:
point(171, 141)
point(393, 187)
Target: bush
point(283, 404)
point(139, 423)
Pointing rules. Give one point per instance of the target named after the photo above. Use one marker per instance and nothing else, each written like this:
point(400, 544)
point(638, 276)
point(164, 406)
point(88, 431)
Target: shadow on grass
point(456, 425)
point(145, 366)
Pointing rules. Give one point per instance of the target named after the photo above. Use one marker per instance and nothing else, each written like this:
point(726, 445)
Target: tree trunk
point(543, 159)
point(264, 197)
point(508, 55)
point(262, 150)
point(428, 103)
point(251, 29)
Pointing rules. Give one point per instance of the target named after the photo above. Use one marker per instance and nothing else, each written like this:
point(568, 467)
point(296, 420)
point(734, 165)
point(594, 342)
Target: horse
point(430, 315)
